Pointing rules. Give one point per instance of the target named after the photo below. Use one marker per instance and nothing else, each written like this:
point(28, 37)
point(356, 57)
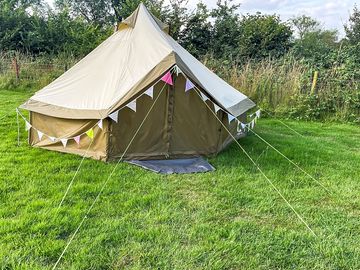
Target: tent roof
point(123, 65)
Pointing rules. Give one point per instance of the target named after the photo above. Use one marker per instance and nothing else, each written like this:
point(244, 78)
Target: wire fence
point(23, 67)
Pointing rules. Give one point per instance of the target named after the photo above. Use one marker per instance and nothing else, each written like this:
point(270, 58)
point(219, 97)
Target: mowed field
point(228, 219)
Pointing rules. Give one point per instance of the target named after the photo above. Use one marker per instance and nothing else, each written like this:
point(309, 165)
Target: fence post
point(16, 68)
point(313, 86)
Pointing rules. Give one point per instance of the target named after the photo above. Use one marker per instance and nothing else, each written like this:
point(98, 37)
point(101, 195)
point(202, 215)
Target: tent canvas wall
point(117, 73)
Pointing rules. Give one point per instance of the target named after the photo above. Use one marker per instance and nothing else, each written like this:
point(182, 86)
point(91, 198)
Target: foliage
point(353, 28)
point(263, 36)
point(197, 32)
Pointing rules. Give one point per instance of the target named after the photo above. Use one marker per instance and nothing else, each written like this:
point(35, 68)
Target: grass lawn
point(228, 219)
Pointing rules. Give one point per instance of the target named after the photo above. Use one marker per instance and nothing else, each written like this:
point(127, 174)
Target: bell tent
point(138, 77)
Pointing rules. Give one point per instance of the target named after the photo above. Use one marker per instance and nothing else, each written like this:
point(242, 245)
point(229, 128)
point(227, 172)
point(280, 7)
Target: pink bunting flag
point(100, 124)
point(114, 116)
point(64, 142)
point(189, 85)
point(77, 139)
point(167, 78)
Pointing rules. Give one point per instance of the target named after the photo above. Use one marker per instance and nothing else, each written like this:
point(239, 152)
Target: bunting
point(114, 116)
point(77, 139)
point(64, 142)
point(27, 126)
point(40, 134)
point(178, 70)
point(150, 92)
point(188, 85)
point(204, 98)
point(90, 133)
point(230, 117)
point(167, 78)
point(132, 105)
point(100, 124)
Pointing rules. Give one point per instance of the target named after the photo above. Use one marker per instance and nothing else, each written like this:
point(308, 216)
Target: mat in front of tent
point(178, 166)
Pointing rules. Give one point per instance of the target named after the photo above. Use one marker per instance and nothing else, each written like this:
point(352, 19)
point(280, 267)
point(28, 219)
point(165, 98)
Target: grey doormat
point(170, 166)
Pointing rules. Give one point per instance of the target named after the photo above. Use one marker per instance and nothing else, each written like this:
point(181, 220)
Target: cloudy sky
point(332, 14)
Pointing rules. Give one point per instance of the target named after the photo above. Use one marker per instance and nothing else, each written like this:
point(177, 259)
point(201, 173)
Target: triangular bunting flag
point(40, 134)
point(150, 92)
point(27, 126)
point(167, 78)
point(217, 108)
point(90, 133)
point(53, 139)
point(64, 142)
point(204, 98)
point(132, 105)
point(114, 116)
point(243, 126)
point(188, 85)
point(77, 139)
point(252, 124)
point(230, 117)
point(178, 70)
point(257, 113)
point(100, 124)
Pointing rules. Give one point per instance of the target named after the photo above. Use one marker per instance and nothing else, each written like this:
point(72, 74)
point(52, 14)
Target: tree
point(304, 24)
point(17, 24)
point(353, 28)
point(316, 45)
point(263, 36)
point(226, 32)
point(197, 32)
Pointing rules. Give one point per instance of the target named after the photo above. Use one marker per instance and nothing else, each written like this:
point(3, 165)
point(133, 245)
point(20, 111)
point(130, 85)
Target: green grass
point(227, 219)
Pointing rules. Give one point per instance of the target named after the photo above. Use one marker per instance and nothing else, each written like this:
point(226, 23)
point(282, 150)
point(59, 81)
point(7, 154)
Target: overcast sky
point(332, 14)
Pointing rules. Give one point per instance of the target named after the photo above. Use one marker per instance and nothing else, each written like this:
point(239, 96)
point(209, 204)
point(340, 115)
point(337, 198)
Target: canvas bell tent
point(138, 77)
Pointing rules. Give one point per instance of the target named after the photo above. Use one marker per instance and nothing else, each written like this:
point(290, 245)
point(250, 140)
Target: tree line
point(78, 26)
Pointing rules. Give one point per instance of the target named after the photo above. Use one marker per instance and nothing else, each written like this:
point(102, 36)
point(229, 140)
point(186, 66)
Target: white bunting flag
point(178, 70)
point(53, 139)
point(252, 124)
point(149, 92)
point(204, 98)
point(64, 142)
point(40, 134)
point(114, 116)
point(100, 124)
point(27, 126)
point(132, 105)
point(243, 126)
point(257, 113)
point(230, 117)
point(217, 108)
